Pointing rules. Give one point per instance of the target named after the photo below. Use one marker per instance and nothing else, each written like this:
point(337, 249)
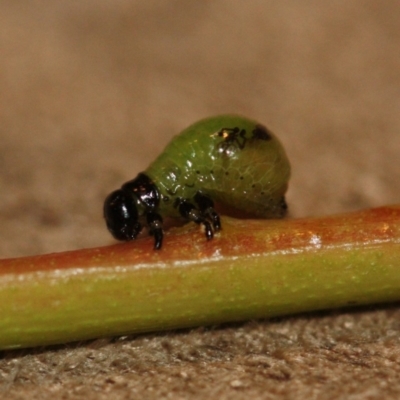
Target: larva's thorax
point(231, 159)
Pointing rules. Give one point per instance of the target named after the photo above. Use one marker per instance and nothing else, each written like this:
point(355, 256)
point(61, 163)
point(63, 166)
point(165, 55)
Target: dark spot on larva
point(211, 172)
point(198, 172)
point(227, 173)
point(262, 133)
point(283, 204)
point(262, 193)
point(241, 178)
point(253, 185)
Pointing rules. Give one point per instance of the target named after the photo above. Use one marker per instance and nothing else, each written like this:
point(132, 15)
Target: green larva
point(227, 159)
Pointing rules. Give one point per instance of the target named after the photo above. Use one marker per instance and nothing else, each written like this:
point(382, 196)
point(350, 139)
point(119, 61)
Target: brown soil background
point(90, 92)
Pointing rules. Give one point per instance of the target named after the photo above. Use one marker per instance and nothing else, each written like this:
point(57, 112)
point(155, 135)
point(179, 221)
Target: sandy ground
point(90, 93)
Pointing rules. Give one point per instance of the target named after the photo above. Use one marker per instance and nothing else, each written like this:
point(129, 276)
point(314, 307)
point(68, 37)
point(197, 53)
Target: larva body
point(226, 159)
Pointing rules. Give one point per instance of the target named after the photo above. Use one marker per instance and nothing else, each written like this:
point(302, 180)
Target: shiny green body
point(249, 173)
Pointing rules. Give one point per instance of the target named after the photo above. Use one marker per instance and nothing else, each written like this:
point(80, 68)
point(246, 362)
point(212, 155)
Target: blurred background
point(91, 92)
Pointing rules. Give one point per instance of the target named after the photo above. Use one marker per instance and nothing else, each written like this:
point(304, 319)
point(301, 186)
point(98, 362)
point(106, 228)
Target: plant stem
point(251, 269)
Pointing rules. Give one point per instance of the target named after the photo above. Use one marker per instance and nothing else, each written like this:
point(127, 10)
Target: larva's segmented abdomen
point(255, 181)
point(231, 159)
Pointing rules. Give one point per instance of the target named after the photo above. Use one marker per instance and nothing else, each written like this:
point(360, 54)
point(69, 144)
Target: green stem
point(252, 269)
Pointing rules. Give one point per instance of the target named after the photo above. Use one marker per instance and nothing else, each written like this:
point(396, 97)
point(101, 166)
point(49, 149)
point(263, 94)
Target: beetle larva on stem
point(226, 159)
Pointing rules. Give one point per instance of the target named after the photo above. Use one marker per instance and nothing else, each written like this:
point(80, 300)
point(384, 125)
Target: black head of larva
point(121, 215)
point(135, 200)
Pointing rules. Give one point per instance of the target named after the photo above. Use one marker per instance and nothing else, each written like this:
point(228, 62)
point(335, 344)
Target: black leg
point(190, 212)
point(206, 206)
point(154, 221)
